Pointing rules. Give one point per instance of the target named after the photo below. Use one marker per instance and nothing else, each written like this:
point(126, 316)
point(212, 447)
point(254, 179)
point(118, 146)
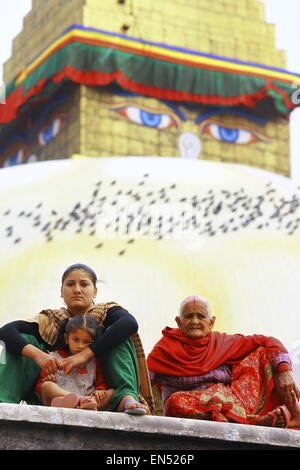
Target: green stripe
point(144, 70)
point(150, 72)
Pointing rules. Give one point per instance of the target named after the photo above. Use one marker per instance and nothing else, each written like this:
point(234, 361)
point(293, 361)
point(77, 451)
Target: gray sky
point(284, 14)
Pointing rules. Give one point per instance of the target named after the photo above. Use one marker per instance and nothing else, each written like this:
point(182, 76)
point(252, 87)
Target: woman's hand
point(76, 360)
point(288, 388)
point(49, 364)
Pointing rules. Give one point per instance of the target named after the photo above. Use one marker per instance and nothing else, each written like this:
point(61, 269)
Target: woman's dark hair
point(84, 322)
point(84, 267)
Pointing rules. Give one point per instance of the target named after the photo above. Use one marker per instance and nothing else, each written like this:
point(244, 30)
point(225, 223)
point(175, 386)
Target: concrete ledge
point(43, 428)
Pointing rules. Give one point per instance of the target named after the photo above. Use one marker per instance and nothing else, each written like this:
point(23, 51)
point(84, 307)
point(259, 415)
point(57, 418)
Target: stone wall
point(28, 427)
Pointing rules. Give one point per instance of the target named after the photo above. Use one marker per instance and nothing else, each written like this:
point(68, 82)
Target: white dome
point(155, 230)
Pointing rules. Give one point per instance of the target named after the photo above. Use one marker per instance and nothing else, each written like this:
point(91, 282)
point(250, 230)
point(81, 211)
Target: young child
point(84, 387)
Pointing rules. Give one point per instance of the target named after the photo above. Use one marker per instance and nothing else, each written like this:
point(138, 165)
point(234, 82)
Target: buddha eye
point(232, 134)
point(15, 159)
point(47, 134)
point(147, 116)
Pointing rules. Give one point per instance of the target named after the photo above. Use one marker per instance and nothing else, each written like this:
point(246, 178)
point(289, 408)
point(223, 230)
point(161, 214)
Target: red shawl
point(175, 354)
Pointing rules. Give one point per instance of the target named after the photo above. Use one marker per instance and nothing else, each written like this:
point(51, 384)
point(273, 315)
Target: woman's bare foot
point(128, 404)
point(294, 421)
point(103, 398)
point(294, 410)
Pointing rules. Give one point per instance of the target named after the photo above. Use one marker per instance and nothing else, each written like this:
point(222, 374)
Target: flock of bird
point(144, 212)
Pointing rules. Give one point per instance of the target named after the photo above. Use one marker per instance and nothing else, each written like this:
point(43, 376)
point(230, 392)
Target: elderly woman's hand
point(288, 388)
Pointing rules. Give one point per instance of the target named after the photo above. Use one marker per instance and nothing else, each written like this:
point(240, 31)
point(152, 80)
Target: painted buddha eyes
point(43, 138)
point(140, 116)
point(237, 136)
point(47, 134)
point(146, 116)
point(154, 118)
point(231, 134)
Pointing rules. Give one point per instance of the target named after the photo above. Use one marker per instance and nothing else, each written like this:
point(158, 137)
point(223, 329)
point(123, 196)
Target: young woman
point(28, 344)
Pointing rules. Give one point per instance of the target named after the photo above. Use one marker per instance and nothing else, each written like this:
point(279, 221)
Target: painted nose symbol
point(189, 145)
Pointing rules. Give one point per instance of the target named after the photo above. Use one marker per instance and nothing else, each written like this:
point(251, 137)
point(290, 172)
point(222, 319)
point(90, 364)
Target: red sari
point(251, 393)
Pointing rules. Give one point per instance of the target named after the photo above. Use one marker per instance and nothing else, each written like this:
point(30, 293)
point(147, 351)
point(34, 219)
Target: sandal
point(284, 412)
point(67, 401)
point(134, 411)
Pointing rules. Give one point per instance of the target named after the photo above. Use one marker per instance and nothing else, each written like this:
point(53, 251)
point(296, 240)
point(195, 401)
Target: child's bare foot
point(129, 405)
point(67, 401)
point(87, 403)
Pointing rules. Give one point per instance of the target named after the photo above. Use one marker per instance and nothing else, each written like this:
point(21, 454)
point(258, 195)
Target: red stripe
point(99, 78)
point(286, 99)
point(16, 99)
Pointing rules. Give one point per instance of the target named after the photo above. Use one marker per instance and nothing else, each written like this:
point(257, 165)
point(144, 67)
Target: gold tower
point(87, 123)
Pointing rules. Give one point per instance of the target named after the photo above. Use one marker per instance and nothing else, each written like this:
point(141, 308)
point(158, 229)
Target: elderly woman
point(28, 343)
point(203, 374)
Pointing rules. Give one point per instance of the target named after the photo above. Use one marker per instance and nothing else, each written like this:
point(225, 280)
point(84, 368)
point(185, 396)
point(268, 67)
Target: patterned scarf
point(49, 320)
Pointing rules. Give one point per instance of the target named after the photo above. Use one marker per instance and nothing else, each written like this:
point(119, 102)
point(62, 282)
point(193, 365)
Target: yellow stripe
point(168, 53)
